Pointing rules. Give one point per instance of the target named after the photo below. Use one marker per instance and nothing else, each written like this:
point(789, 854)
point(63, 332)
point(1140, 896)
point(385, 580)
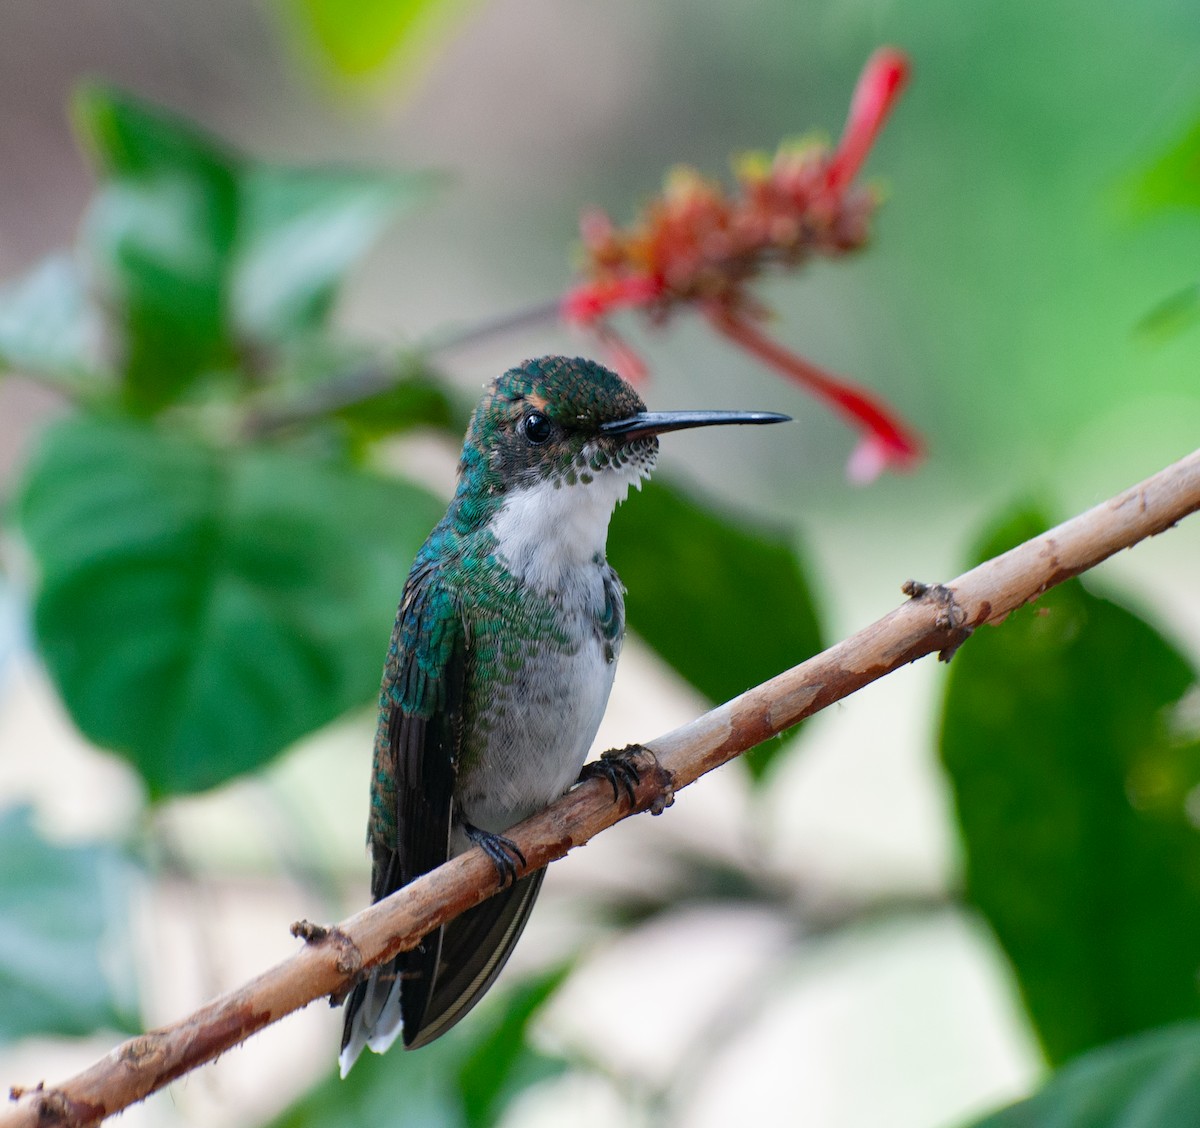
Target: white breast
point(540, 727)
point(545, 532)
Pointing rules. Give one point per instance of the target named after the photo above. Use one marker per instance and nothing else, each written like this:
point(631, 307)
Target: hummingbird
point(499, 669)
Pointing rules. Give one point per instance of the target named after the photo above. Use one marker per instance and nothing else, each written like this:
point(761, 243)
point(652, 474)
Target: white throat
point(546, 531)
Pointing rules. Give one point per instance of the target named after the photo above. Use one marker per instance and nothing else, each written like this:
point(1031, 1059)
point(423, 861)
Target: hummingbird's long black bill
point(656, 422)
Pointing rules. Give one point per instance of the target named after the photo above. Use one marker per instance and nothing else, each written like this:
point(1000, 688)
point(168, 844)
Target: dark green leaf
point(412, 401)
point(300, 231)
point(1071, 777)
point(499, 1063)
point(373, 395)
point(45, 325)
point(159, 234)
point(66, 967)
point(724, 602)
point(463, 1080)
point(358, 40)
point(200, 609)
point(1151, 1081)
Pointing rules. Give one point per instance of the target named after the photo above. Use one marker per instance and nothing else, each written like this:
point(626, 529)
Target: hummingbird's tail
point(424, 992)
point(474, 948)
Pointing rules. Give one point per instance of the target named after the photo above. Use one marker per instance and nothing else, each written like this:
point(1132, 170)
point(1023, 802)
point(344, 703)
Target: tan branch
point(934, 619)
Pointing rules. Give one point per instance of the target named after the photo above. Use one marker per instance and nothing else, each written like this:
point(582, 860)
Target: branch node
point(664, 780)
point(349, 956)
point(951, 618)
point(308, 932)
point(54, 1108)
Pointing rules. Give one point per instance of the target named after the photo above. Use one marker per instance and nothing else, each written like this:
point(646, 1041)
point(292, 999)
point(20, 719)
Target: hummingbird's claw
point(617, 766)
point(503, 852)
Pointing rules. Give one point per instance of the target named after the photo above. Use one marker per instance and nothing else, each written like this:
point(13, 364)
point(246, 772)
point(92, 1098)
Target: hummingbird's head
point(545, 422)
point(558, 423)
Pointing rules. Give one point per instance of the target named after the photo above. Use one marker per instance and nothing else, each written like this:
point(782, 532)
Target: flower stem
point(891, 442)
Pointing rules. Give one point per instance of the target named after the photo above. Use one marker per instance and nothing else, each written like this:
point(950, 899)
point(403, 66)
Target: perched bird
point(499, 669)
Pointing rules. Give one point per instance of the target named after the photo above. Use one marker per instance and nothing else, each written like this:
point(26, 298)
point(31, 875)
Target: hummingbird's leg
point(503, 852)
point(618, 767)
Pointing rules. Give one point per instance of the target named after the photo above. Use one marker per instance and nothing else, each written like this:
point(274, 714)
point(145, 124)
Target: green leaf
point(1173, 181)
point(45, 325)
point(372, 395)
point(200, 609)
point(1071, 775)
point(66, 967)
point(1151, 1081)
point(359, 40)
point(1172, 316)
point(160, 232)
point(726, 603)
point(463, 1080)
point(198, 252)
point(412, 401)
point(499, 1063)
point(301, 230)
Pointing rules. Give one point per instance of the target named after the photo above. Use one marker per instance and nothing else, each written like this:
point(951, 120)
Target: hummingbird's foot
point(504, 853)
point(618, 767)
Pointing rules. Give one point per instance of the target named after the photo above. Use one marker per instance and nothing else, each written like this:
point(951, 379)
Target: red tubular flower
point(886, 441)
point(699, 245)
point(881, 82)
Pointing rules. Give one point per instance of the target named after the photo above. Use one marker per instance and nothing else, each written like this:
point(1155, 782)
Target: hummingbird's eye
point(537, 428)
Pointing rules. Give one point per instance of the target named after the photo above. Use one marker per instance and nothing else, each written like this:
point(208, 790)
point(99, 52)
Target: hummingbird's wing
point(412, 784)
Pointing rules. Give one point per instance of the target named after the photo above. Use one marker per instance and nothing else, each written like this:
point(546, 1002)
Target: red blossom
point(699, 245)
point(882, 80)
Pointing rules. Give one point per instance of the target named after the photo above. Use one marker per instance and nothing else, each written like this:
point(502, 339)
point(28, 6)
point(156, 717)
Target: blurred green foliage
point(463, 1080)
point(1071, 775)
point(202, 259)
point(66, 951)
point(203, 608)
point(47, 327)
point(703, 587)
point(1151, 1081)
point(362, 40)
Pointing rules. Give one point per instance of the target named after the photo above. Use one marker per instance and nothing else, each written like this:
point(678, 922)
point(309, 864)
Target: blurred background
point(1010, 305)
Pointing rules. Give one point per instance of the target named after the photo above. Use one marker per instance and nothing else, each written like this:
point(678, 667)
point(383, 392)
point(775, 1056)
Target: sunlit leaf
point(1151, 1081)
point(1173, 180)
point(200, 609)
point(1172, 316)
point(159, 235)
point(1071, 774)
point(463, 1080)
point(358, 40)
point(45, 324)
point(66, 964)
point(300, 231)
point(725, 602)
